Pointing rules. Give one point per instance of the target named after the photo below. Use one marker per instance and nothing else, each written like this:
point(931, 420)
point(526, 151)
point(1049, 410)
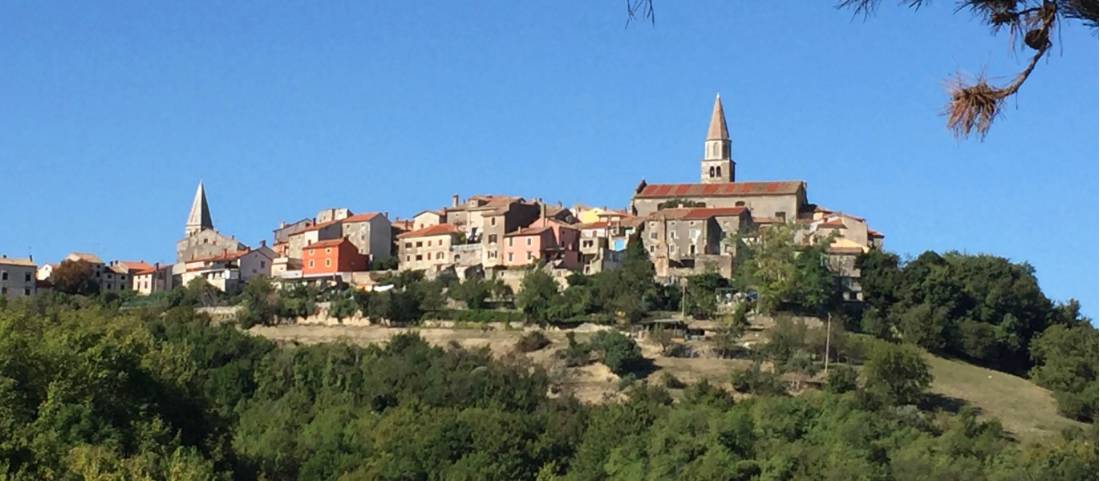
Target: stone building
point(484, 219)
point(684, 242)
point(428, 249)
point(783, 200)
point(200, 238)
point(17, 277)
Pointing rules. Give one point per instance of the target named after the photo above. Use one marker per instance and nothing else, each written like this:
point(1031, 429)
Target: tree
point(897, 373)
point(1066, 363)
point(342, 305)
point(629, 291)
point(473, 292)
point(75, 277)
point(786, 273)
point(974, 103)
point(701, 299)
point(259, 304)
point(536, 294)
point(619, 352)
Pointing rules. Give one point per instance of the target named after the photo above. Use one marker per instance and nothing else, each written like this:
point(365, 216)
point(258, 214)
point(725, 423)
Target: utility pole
point(683, 299)
point(828, 335)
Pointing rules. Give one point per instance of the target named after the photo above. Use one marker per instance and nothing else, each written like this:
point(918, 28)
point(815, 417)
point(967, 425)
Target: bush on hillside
point(532, 341)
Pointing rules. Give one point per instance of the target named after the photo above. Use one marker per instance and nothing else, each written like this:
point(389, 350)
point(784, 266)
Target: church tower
point(717, 164)
point(199, 218)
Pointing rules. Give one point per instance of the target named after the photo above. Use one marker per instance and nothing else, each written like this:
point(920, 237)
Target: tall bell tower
point(717, 164)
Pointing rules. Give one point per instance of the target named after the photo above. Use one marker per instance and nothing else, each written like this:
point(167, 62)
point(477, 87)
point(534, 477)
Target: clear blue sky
point(111, 112)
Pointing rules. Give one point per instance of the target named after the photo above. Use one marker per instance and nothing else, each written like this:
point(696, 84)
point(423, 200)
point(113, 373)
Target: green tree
point(787, 274)
point(619, 352)
point(473, 292)
point(536, 295)
point(1066, 363)
point(896, 373)
point(258, 304)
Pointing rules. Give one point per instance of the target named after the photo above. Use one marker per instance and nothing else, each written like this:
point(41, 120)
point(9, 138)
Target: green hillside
point(1025, 409)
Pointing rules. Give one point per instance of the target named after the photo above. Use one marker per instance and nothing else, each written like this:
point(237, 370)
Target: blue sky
point(110, 113)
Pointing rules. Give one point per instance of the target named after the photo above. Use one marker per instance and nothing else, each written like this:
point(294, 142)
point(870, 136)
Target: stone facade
point(684, 242)
point(17, 277)
point(427, 249)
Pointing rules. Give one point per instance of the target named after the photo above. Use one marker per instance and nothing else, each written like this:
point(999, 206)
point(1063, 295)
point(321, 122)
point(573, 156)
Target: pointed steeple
point(718, 165)
point(717, 129)
point(199, 218)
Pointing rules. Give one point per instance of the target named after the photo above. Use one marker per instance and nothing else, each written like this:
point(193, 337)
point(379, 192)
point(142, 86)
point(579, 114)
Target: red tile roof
point(708, 212)
point(874, 233)
point(225, 256)
point(326, 243)
point(438, 229)
point(316, 227)
point(593, 225)
point(361, 217)
point(732, 189)
point(528, 231)
point(135, 265)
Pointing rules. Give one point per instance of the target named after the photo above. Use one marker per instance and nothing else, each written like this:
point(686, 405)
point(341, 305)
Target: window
point(509, 257)
point(691, 249)
point(312, 263)
point(328, 250)
point(408, 245)
point(712, 171)
point(263, 264)
point(528, 241)
point(419, 244)
point(739, 203)
point(419, 257)
point(439, 256)
point(328, 262)
point(782, 216)
point(530, 256)
point(26, 291)
point(672, 234)
point(457, 257)
point(3, 275)
point(719, 171)
point(492, 221)
point(408, 258)
point(492, 238)
point(653, 235)
point(27, 277)
point(509, 242)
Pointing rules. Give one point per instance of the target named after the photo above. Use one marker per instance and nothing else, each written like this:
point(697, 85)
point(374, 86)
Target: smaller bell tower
point(717, 164)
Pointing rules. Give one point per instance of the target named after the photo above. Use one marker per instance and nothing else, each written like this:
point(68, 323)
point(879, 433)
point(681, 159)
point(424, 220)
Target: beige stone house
point(17, 277)
point(229, 271)
point(428, 249)
point(370, 233)
point(484, 219)
point(684, 242)
point(428, 218)
point(153, 279)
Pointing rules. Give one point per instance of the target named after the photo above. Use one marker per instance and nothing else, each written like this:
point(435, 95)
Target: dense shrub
point(532, 341)
point(617, 351)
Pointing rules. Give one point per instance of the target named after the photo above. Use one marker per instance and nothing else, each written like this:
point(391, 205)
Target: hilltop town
point(686, 230)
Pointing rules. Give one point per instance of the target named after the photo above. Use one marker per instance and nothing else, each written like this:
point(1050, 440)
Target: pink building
point(545, 240)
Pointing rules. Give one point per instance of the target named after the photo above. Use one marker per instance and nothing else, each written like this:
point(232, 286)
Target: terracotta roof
point(438, 229)
point(874, 233)
point(717, 129)
point(698, 213)
point(9, 261)
point(316, 227)
point(833, 224)
point(225, 256)
point(708, 212)
point(528, 231)
point(326, 243)
point(594, 225)
point(730, 189)
point(135, 265)
point(360, 217)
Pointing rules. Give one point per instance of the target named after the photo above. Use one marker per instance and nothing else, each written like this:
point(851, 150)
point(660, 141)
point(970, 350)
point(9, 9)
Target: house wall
point(205, 243)
point(425, 253)
point(522, 250)
point(17, 280)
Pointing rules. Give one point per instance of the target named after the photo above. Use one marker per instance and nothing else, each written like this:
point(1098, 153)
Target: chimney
point(454, 200)
point(263, 243)
point(282, 224)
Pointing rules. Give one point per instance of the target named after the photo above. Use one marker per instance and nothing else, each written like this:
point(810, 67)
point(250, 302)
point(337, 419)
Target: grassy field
point(1026, 410)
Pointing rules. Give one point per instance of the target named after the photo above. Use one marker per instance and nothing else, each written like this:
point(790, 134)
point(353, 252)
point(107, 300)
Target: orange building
point(332, 256)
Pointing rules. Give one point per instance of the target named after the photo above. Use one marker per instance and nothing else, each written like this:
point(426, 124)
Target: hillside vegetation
point(90, 392)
